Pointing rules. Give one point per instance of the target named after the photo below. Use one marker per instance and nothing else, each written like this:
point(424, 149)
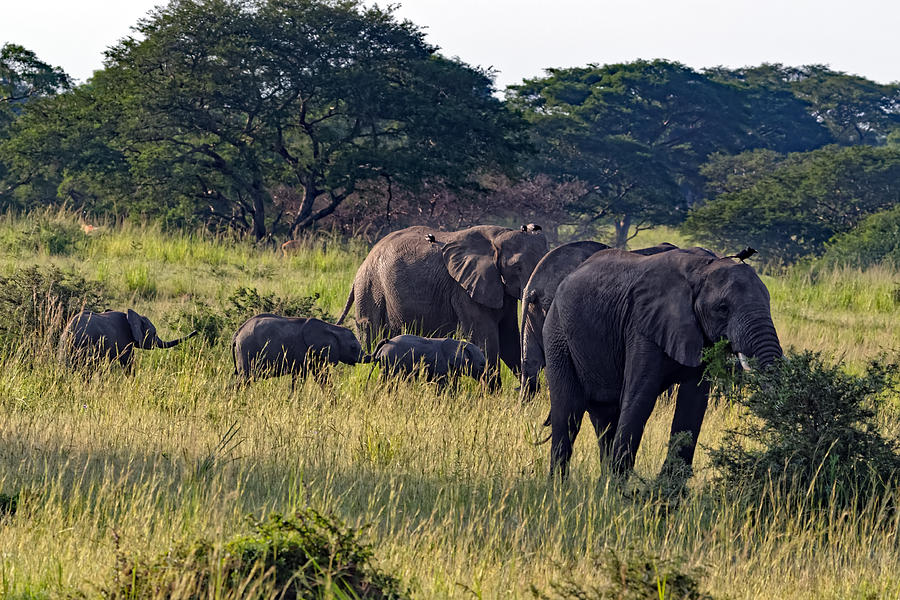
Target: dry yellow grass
point(452, 484)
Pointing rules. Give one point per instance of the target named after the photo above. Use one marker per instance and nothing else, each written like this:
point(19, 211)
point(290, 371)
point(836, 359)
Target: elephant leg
point(604, 418)
point(642, 385)
point(492, 356)
point(510, 348)
point(567, 406)
point(690, 408)
point(365, 333)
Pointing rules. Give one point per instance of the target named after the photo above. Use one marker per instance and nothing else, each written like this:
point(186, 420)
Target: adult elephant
point(538, 296)
point(435, 283)
point(624, 327)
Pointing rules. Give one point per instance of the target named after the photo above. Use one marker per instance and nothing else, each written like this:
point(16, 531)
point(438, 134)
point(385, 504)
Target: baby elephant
point(270, 345)
point(442, 357)
point(110, 335)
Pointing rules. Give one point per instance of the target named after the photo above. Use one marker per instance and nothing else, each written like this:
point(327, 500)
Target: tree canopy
point(874, 241)
point(637, 133)
point(219, 101)
point(23, 76)
point(271, 115)
point(853, 109)
point(805, 199)
point(23, 79)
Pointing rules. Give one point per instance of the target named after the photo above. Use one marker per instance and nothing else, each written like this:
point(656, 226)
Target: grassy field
point(451, 486)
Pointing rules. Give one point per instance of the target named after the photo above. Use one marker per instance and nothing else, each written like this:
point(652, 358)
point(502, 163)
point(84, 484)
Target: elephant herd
point(613, 329)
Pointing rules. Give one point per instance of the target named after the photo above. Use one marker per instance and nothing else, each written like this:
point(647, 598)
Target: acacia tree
point(806, 198)
point(221, 101)
point(849, 108)
point(23, 78)
point(634, 133)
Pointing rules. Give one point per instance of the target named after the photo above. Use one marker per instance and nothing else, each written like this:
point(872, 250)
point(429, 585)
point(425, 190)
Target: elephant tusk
point(743, 360)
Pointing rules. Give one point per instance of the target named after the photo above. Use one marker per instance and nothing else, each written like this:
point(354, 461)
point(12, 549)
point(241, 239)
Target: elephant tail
point(546, 439)
point(370, 358)
point(234, 352)
point(347, 306)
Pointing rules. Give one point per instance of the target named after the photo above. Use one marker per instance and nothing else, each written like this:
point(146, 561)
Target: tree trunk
point(259, 197)
point(310, 192)
point(390, 196)
point(622, 227)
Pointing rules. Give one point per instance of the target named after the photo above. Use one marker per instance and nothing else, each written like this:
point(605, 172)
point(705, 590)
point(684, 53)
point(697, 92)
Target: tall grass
point(452, 484)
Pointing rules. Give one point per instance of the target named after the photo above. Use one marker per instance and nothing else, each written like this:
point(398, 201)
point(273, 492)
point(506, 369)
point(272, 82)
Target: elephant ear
point(472, 261)
point(663, 311)
point(320, 340)
point(139, 326)
point(473, 353)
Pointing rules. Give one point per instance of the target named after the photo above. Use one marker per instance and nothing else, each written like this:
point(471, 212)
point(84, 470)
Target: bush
point(812, 427)
point(242, 304)
point(246, 302)
point(637, 577)
point(36, 302)
point(875, 241)
point(723, 371)
point(307, 555)
point(201, 317)
point(55, 233)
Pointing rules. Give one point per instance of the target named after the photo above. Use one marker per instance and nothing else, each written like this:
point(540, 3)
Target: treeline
point(271, 117)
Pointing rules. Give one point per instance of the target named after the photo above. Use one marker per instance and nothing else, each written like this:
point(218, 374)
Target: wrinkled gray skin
point(440, 357)
point(110, 335)
point(624, 327)
point(467, 280)
point(268, 345)
point(538, 296)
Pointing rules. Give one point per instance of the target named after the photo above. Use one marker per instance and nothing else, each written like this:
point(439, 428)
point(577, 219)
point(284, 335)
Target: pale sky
point(520, 38)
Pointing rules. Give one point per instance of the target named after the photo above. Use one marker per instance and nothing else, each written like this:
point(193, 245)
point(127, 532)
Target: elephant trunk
point(755, 337)
point(158, 343)
point(532, 355)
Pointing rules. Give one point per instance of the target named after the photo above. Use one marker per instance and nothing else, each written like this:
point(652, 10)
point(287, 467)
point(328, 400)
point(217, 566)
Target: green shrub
point(214, 324)
point(201, 317)
point(246, 302)
point(637, 577)
point(811, 427)
point(36, 302)
point(722, 369)
point(54, 233)
point(874, 241)
point(306, 555)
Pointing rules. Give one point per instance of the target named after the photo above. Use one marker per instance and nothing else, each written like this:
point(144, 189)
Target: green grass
point(452, 484)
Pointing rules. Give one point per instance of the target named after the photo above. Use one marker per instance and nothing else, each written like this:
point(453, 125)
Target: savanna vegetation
point(173, 481)
point(222, 127)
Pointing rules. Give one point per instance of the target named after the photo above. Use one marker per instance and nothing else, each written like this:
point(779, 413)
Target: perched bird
point(743, 254)
point(532, 227)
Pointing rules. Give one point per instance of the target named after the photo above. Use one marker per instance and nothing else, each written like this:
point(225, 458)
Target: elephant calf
point(440, 357)
point(270, 345)
point(110, 335)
